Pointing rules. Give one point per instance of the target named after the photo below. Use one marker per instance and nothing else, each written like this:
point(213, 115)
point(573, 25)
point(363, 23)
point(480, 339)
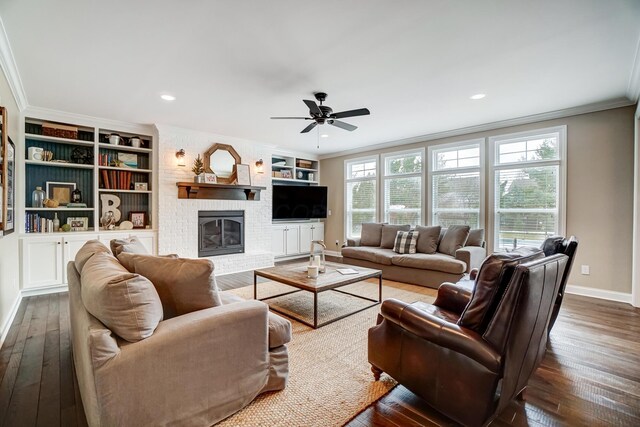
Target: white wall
point(9, 266)
point(178, 218)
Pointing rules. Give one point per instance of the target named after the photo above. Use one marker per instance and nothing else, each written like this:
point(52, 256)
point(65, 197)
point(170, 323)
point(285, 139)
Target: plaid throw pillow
point(406, 242)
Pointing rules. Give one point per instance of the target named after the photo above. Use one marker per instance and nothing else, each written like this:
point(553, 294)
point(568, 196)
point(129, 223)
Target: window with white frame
point(528, 187)
point(455, 178)
point(402, 190)
point(361, 189)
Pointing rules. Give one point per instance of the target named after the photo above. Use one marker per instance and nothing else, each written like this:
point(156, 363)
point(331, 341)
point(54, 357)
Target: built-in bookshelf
point(59, 156)
point(294, 170)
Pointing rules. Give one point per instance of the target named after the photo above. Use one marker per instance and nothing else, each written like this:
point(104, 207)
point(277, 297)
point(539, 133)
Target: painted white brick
point(178, 218)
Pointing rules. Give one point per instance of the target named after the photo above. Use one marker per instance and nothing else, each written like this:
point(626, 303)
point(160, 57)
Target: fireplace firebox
point(220, 233)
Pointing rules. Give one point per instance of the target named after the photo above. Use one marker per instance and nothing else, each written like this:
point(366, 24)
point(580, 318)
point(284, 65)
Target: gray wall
point(599, 191)
point(9, 266)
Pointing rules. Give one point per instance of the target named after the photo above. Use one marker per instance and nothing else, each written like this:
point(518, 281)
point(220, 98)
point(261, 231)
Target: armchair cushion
point(454, 238)
point(428, 239)
point(126, 303)
point(493, 277)
point(454, 297)
point(130, 245)
point(389, 233)
point(184, 285)
point(371, 234)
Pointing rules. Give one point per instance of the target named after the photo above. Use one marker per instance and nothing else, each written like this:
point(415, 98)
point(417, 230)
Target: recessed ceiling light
point(168, 97)
point(324, 135)
point(478, 96)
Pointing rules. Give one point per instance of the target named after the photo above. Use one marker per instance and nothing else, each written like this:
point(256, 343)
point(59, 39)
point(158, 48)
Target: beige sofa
point(194, 369)
point(443, 255)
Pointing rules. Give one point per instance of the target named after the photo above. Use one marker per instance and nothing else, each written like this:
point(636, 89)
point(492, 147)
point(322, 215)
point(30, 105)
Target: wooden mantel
point(194, 190)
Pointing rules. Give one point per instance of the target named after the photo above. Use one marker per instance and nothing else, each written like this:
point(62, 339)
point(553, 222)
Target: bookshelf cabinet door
point(42, 262)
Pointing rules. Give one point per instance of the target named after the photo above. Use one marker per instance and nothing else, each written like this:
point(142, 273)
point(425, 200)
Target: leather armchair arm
point(355, 241)
point(453, 297)
point(442, 333)
point(472, 256)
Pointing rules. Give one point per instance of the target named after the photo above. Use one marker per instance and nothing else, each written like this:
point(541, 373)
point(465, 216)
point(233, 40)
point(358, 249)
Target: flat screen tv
point(299, 202)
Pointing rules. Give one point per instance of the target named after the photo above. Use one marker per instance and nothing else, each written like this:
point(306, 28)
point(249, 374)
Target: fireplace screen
point(220, 233)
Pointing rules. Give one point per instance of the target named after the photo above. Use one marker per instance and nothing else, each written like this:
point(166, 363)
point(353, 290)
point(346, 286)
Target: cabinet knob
point(58, 242)
point(66, 243)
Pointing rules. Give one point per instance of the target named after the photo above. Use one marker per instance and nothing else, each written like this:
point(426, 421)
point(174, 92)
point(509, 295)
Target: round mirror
point(221, 160)
point(222, 163)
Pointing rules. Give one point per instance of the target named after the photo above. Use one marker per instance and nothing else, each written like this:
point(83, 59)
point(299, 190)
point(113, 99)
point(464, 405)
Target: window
point(360, 193)
point(455, 180)
point(528, 187)
point(403, 187)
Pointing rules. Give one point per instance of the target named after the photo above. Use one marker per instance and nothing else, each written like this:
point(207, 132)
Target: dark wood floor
point(590, 375)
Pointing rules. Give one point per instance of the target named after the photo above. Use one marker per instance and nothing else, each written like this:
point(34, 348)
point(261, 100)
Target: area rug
point(329, 377)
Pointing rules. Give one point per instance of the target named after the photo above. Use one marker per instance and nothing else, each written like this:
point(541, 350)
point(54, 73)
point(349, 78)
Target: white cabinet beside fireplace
point(290, 239)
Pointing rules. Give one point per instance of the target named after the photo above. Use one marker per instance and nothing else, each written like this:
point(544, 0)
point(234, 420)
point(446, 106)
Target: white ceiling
point(233, 64)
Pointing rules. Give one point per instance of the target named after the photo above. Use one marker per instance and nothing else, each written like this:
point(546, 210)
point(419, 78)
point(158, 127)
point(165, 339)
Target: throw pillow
point(184, 285)
point(371, 234)
point(454, 238)
point(406, 242)
point(389, 233)
point(128, 304)
point(476, 237)
point(127, 261)
point(88, 250)
point(131, 245)
point(427, 239)
point(491, 283)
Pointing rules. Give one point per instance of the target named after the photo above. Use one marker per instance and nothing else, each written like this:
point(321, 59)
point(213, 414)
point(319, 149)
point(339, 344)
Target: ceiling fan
point(321, 114)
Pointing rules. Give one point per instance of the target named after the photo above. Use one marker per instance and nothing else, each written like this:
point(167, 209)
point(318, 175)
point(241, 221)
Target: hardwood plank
point(27, 386)
point(10, 339)
point(67, 393)
point(49, 404)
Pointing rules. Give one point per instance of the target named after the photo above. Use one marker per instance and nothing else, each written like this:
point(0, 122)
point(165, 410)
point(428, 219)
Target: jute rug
point(329, 377)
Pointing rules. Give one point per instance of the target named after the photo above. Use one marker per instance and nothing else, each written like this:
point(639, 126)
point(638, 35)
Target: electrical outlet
point(584, 269)
point(329, 212)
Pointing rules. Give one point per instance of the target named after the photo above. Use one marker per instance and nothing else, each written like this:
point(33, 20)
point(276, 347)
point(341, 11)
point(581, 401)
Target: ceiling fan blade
point(301, 118)
point(308, 128)
point(313, 107)
point(343, 125)
point(351, 113)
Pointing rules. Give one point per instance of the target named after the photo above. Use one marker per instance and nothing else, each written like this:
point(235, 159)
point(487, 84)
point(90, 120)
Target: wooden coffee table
point(296, 275)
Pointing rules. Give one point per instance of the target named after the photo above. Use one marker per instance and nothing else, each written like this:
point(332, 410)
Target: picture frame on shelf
point(287, 174)
point(140, 186)
point(79, 223)
point(8, 224)
point(139, 219)
point(60, 191)
point(243, 174)
point(210, 178)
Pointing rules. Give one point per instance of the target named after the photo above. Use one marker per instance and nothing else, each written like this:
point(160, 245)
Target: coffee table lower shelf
point(317, 290)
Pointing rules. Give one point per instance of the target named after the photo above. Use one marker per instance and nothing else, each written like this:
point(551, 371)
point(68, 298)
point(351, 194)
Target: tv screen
point(299, 202)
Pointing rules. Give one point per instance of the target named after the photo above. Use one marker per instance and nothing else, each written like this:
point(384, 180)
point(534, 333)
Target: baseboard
point(9, 321)
point(599, 293)
point(333, 253)
point(44, 290)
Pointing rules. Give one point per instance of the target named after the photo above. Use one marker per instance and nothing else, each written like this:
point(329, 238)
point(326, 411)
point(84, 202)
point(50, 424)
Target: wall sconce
point(259, 165)
point(180, 156)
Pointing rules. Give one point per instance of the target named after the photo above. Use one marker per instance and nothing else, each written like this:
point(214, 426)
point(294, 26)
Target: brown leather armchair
point(470, 365)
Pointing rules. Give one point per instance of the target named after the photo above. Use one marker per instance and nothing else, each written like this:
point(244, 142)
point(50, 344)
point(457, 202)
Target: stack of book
point(35, 224)
point(115, 180)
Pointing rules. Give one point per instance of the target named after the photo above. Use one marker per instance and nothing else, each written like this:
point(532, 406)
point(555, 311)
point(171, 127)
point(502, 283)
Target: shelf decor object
point(291, 170)
point(221, 160)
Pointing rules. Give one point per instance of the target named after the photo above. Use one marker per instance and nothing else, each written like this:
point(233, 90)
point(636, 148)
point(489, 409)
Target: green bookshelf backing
point(39, 175)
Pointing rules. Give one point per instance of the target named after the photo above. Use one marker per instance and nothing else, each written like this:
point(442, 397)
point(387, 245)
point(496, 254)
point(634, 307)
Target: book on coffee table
point(346, 271)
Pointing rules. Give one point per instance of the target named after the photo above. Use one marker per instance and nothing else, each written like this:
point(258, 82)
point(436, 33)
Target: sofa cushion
point(371, 234)
point(124, 302)
point(88, 250)
point(428, 239)
point(476, 237)
point(365, 253)
point(454, 238)
point(279, 327)
point(389, 233)
point(491, 282)
point(436, 262)
point(131, 245)
point(406, 242)
point(184, 285)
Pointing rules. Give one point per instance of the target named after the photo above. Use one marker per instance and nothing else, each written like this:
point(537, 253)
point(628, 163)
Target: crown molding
point(557, 114)
point(85, 120)
point(633, 88)
point(8, 65)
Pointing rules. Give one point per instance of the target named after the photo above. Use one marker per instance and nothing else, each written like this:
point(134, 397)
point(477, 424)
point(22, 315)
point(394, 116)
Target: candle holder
point(318, 260)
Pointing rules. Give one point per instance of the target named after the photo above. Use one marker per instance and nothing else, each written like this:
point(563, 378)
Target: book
point(346, 271)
